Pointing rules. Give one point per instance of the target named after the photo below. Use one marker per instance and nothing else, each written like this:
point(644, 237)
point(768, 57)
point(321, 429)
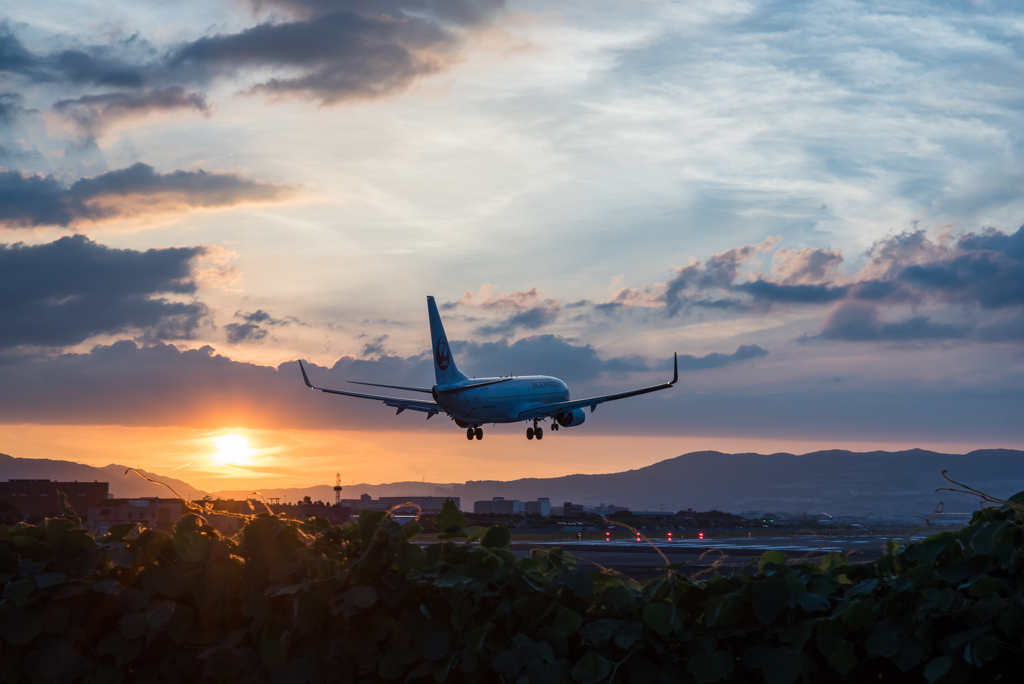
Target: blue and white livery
point(474, 402)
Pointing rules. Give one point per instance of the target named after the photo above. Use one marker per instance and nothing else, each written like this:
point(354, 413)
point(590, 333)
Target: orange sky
point(301, 458)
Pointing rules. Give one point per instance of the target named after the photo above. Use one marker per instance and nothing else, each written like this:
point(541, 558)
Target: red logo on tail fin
point(442, 355)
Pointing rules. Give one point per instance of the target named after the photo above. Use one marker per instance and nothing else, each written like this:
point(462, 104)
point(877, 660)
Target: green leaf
point(567, 622)
point(159, 613)
point(274, 649)
point(782, 666)
point(497, 537)
point(843, 657)
point(768, 597)
point(772, 558)
point(937, 667)
point(191, 545)
point(626, 636)
point(19, 626)
point(658, 617)
point(450, 521)
point(361, 596)
point(591, 668)
point(884, 640)
point(19, 592)
point(708, 666)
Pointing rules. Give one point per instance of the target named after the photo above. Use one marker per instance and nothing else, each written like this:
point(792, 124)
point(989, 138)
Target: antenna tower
point(337, 488)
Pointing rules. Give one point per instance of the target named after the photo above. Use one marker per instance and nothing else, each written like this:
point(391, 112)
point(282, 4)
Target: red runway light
point(700, 535)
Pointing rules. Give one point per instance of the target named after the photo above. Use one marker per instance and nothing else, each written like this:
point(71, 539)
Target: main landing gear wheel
point(532, 432)
point(529, 433)
point(470, 433)
point(479, 433)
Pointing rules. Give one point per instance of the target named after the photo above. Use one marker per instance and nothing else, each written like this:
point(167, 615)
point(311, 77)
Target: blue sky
point(817, 203)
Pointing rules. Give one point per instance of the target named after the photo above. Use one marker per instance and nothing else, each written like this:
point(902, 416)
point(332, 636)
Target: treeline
point(288, 601)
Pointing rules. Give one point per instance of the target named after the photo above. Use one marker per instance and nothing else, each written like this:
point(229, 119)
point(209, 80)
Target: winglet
point(675, 368)
point(305, 377)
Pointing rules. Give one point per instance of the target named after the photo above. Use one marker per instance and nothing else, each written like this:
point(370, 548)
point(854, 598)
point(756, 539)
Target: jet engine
point(571, 418)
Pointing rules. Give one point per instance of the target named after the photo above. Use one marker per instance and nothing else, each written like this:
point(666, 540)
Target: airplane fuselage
point(501, 402)
point(472, 402)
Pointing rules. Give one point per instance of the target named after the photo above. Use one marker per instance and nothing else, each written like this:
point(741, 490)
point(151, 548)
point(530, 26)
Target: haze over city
point(817, 205)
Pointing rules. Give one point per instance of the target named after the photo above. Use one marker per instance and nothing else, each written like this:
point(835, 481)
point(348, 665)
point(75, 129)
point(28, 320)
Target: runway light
point(700, 535)
point(670, 536)
point(607, 536)
point(638, 537)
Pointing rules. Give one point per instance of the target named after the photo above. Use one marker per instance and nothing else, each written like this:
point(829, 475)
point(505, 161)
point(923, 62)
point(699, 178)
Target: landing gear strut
point(474, 432)
point(535, 431)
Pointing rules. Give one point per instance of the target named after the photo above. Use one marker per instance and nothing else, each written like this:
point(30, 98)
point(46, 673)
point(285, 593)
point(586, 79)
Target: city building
point(569, 509)
point(541, 507)
point(37, 499)
point(427, 504)
point(499, 505)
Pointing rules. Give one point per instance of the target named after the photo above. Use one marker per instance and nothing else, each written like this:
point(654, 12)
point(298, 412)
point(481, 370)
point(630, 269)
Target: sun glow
point(232, 449)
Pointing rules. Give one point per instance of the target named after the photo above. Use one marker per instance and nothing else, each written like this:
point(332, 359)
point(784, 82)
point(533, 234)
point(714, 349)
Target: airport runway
point(640, 561)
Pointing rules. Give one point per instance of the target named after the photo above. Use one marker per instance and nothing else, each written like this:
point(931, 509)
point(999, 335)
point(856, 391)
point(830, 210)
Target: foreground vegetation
point(289, 601)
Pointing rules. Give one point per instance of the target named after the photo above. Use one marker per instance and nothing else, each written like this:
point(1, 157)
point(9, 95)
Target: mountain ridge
point(830, 481)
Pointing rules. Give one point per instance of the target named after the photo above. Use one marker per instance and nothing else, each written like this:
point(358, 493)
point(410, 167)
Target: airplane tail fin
point(445, 370)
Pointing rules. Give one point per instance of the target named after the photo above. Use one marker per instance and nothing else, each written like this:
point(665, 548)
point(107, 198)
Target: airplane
point(474, 402)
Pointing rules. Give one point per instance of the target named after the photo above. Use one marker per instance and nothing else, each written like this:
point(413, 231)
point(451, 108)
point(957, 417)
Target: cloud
point(717, 360)
point(32, 200)
point(324, 51)
point(92, 113)
point(529, 310)
point(554, 355)
point(763, 290)
point(375, 347)
point(966, 276)
point(158, 384)
point(64, 292)
point(250, 330)
point(861, 322)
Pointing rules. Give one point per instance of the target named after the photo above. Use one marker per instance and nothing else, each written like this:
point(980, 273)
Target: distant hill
point(836, 482)
point(121, 485)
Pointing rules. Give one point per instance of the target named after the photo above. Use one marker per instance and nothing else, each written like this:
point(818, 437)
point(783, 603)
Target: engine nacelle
point(571, 418)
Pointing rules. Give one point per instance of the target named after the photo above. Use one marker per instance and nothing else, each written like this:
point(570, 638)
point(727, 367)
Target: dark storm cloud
point(375, 347)
point(92, 112)
point(251, 329)
point(554, 355)
point(64, 292)
point(861, 322)
point(93, 65)
point(32, 200)
point(530, 319)
point(459, 12)
point(325, 51)
point(969, 279)
point(764, 290)
point(338, 56)
point(10, 107)
point(717, 360)
point(159, 385)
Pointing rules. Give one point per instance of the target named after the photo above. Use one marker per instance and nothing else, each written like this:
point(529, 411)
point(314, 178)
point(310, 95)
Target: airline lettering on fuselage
point(546, 383)
point(442, 354)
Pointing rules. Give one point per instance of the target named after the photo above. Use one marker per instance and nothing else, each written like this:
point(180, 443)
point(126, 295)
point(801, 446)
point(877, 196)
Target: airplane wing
point(428, 407)
point(565, 406)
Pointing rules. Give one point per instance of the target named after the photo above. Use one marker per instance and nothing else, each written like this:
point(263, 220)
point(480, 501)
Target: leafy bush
point(288, 601)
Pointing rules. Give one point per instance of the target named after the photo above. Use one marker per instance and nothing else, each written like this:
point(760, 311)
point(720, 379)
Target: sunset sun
point(232, 449)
